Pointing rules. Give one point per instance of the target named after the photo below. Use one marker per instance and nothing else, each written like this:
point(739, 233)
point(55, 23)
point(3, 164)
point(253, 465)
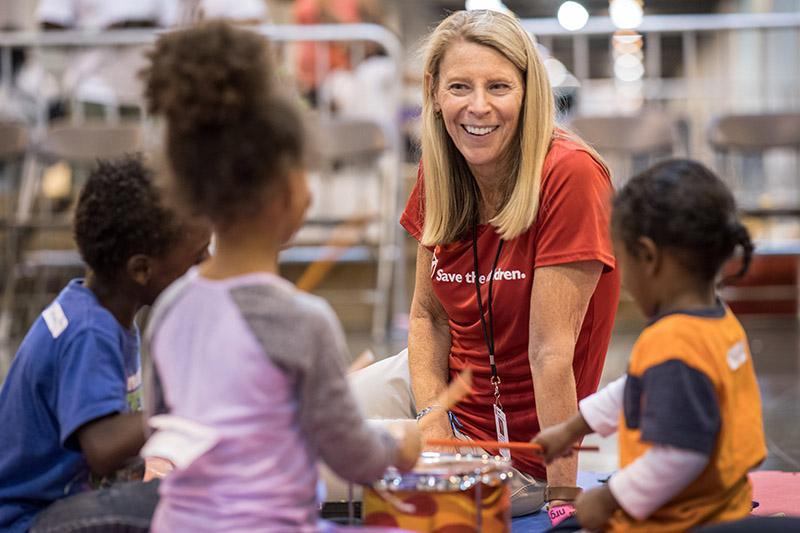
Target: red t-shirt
point(572, 225)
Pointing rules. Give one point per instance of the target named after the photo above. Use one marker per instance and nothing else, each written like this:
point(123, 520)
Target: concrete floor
point(776, 353)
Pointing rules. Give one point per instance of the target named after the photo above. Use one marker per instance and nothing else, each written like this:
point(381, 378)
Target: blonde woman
point(515, 271)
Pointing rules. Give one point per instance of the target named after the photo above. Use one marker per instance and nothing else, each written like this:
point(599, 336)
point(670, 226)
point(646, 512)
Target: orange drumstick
point(362, 361)
point(345, 235)
point(458, 443)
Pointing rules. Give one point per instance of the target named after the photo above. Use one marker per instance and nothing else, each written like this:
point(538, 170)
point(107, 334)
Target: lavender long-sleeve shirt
point(261, 364)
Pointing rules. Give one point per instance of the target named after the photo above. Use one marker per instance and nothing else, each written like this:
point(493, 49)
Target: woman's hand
point(595, 507)
point(436, 425)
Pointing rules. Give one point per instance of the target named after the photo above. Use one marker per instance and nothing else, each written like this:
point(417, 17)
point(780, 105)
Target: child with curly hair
point(70, 407)
point(688, 411)
point(242, 357)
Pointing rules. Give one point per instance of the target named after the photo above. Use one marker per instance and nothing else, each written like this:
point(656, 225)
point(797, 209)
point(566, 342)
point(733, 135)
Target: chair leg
point(7, 318)
point(23, 209)
point(28, 189)
point(387, 255)
point(382, 298)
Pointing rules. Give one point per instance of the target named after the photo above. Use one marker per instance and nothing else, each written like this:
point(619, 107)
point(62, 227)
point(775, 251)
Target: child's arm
point(655, 478)
point(302, 336)
point(641, 487)
point(91, 404)
point(602, 409)
point(333, 422)
point(597, 413)
point(111, 440)
point(675, 408)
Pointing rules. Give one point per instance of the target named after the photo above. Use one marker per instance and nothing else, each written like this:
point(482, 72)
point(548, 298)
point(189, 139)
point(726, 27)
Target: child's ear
point(649, 255)
point(279, 194)
point(140, 269)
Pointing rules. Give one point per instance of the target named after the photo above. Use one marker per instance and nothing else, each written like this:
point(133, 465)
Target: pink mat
point(776, 492)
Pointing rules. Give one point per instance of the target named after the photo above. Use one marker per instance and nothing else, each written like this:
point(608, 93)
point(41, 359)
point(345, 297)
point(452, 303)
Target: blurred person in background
point(335, 55)
point(370, 91)
point(99, 77)
point(102, 80)
point(247, 12)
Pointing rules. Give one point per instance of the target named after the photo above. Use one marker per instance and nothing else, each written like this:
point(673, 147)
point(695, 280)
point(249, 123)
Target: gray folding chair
point(13, 139)
point(348, 221)
point(42, 250)
point(13, 145)
point(759, 157)
point(629, 144)
point(80, 147)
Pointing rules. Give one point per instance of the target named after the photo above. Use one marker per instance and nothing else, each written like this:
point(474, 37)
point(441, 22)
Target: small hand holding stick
point(407, 432)
point(455, 392)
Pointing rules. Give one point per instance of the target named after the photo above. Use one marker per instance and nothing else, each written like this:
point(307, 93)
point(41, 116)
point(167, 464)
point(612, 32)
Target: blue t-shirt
point(76, 364)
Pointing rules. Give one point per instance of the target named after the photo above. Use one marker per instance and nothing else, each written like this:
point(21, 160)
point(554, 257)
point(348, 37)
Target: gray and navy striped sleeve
point(301, 335)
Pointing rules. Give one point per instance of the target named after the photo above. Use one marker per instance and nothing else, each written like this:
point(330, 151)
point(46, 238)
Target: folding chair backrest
point(759, 157)
point(79, 146)
point(87, 142)
point(629, 143)
point(650, 132)
point(13, 146)
point(755, 132)
point(339, 141)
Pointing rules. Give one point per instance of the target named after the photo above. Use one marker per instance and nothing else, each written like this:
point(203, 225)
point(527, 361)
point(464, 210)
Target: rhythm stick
point(362, 361)
point(455, 392)
point(529, 446)
point(460, 387)
point(343, 237)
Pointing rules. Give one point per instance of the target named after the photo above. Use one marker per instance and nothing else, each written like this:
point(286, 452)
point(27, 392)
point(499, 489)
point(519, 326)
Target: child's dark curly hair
point(120, 214)
point(681, 204)
point(228, 133)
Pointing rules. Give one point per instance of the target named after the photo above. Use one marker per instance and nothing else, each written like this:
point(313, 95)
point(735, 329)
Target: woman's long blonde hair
point(451, 193)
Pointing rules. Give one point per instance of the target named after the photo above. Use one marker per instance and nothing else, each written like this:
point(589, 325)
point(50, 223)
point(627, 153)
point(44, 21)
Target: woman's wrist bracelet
point(426, 411)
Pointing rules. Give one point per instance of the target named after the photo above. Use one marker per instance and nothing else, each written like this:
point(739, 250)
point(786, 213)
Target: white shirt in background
point(107, 75)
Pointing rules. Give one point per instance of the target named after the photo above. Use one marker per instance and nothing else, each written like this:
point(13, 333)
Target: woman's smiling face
point(479, 94)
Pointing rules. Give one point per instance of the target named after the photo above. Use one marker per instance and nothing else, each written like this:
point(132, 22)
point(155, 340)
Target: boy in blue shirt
point(70, 405)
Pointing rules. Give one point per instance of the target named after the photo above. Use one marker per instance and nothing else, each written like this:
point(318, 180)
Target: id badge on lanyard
point(500, 423)
point(502, 429)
